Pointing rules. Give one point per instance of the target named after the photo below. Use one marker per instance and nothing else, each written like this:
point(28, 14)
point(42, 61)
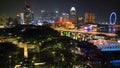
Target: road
point(86, 32)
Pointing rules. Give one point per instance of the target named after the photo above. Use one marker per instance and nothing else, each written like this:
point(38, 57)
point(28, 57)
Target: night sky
point(102, 8)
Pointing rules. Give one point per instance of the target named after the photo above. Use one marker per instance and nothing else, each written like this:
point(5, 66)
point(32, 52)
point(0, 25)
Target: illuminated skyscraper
point(89, 18)
point(28, 14)
point(22, 18)
point(65, 16)
point(73, 11)
point(73, 15)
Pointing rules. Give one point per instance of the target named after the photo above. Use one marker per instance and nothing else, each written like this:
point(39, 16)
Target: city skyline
point(101, 8)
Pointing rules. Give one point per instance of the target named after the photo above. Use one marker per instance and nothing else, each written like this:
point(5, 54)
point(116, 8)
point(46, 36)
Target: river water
point(108, 29)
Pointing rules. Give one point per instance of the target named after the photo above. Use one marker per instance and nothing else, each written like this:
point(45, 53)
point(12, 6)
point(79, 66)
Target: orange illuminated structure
point(65, 23)
point(25, 51)
point(89, 18)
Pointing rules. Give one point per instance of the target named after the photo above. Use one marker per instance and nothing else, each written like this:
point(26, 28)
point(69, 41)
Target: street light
point(10, 66)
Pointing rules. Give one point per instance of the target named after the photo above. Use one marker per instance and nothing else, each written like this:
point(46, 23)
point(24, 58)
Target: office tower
point(28, 14)
point(65, 16)
point(73, 15)
point(89, 18)
point(22, 18)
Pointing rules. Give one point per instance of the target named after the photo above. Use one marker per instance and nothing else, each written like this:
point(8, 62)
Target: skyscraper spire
point(73, 9)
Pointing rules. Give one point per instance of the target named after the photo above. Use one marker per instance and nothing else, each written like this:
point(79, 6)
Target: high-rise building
point(65, 16)
point(73, 15)
point(89, 18)
point(22, 18)
point(3, 21)
point(28, 13)
point(49, 15)
point(73, 11)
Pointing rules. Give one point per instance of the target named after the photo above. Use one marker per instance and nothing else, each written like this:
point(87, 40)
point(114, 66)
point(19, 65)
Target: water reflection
point(111, 30)
point(108, 29)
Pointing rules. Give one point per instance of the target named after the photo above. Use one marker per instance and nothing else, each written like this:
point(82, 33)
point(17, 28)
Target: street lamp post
point(10, 66)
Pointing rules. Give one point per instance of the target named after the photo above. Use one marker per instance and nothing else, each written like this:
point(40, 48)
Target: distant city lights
point(56, 12)
point(49, 21)
point(118, 40)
